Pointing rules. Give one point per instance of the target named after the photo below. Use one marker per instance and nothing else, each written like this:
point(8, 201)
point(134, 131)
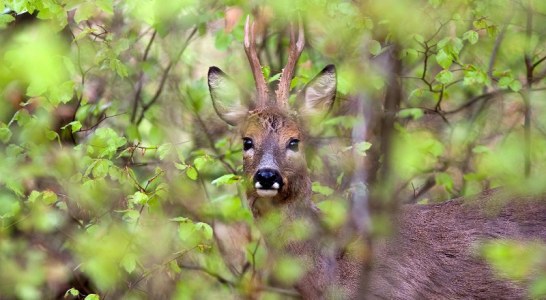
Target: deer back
point(436, 251)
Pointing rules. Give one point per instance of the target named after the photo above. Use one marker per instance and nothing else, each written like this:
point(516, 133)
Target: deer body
point(435, 253)
point(432, 256)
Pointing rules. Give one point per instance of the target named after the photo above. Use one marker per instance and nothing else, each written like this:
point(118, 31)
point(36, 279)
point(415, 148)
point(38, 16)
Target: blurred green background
point(117, 179)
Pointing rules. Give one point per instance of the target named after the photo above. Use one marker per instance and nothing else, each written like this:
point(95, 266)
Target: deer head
point(273, 134)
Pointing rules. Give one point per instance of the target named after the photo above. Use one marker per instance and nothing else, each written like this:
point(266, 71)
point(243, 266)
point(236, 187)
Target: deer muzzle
point(267, 182)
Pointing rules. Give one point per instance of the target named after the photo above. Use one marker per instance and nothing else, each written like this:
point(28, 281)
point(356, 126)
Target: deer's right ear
point(226, 97)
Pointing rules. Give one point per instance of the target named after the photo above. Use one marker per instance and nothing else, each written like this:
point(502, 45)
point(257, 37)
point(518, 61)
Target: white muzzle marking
point(266, 193)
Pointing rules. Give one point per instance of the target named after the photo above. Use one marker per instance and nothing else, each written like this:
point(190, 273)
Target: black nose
point(268, 179)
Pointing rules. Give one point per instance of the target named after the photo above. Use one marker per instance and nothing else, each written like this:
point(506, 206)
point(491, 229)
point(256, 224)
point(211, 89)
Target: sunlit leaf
point(374, 47)
point(226, 179)
point(84, 11)
point(5, 133)
point(471, 36)
point(191, 172)
point(321, 189)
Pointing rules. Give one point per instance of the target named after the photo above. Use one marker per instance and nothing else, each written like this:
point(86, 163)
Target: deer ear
point(319, 94)
point(226, 97)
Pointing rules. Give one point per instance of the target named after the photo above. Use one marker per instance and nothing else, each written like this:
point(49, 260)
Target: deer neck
point(290, 222)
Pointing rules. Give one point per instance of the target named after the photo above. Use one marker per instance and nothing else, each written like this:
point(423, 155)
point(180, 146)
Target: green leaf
point(223, 40)
point(362, 147)
point(119, 67)
point(538, 287)
point(92, 297)
point(72, 292)
point(201, 161)
point(226, 179)
point(164, 150)
point(334, 213)
point(101, 168)
point(288, 270)
point(274, 77)
point(139, 198)
point(84, 11)
point(106, 142)
point(266, 71)
point(492, 30)
point(162, 191)
point(374, 47)
point(416, 93)
point(181, 167)
point(444, 59)
point(5, 133)
point(75, 126)
point(131, 216)
point(321, 189)
point(414, 113)
point(61, 93)
point(444, 77)
point(510, 82)
point(5, 19)
point(34, 196)
point(515, 85)
point(481, 149)
point(191, 172)
point(505, 81)
point(186, 231)
point(14, 185)
point(445, 180)
point(205, 229)
point(480, 24)
point(106, 6)
point(419, 38)
point(475, 75)
point(129, 262)
point(51, 135)
point(49, 197)
point(180, 219)
point(513, 259)
point(472, 36)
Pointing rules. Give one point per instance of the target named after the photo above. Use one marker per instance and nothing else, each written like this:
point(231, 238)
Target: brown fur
point(434, 253)
point(433, 256)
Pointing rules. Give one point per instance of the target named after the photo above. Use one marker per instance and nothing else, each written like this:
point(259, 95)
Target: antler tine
point(252, 55)
point(296, 48)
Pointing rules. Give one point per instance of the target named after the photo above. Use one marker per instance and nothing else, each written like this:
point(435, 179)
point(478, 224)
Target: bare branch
point(159, 90)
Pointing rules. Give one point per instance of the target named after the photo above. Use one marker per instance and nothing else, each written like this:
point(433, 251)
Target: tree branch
point(159, 90)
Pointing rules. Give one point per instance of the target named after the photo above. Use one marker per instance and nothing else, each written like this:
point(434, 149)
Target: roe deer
point(433, 253)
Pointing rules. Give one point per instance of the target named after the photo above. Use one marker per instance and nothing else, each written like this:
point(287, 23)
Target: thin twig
point(140, 81)
point(159, 90)
point(98, 123)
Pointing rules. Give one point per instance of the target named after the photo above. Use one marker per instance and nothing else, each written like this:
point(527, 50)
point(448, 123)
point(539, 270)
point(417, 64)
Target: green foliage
point(518, 261)
point(114, 168)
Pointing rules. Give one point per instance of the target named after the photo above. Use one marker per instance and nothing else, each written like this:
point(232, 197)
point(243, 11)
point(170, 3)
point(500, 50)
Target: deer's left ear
point(319, 94)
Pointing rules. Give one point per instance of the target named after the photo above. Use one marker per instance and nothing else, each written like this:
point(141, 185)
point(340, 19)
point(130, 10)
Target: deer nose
point(268, 179)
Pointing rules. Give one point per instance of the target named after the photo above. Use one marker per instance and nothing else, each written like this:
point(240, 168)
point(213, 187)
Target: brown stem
point(140, 82)
point(159, 90)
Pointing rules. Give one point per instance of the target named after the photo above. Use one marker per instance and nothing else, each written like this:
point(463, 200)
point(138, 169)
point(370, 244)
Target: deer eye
point(293, 145)
point(247, 144)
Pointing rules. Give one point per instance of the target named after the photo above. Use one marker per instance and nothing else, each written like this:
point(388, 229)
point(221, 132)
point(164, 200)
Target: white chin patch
point(266, 193)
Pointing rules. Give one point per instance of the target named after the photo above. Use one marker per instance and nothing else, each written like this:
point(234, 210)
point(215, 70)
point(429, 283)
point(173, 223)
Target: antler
point(296, 48)
point(250, 49)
